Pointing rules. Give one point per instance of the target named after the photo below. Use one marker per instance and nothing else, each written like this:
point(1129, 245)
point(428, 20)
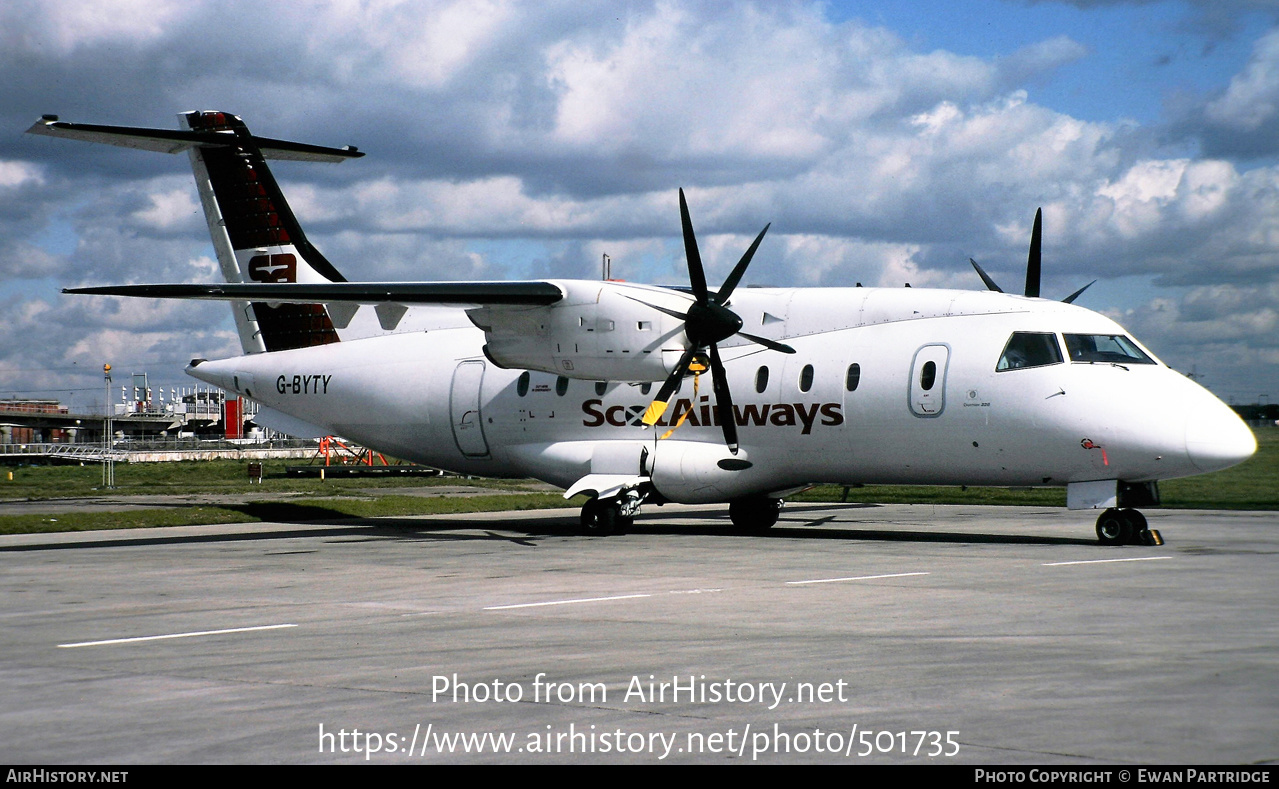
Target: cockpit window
point(1029, 349)
point(1113, 348)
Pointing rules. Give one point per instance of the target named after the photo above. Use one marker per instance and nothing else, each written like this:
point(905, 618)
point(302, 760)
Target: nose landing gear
point(1125, 527)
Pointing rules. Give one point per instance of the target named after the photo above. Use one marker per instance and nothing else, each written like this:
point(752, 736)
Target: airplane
point(552, 379)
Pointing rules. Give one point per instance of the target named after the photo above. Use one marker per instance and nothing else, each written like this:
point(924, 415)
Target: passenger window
point(521, 386)
point(806, 378)
point(761, 379)
point(853, 378)
point(561, 386)
point(928, 376)
point(1113, 348)
point(600, 387)
point(1029, 349)
point(646, 387)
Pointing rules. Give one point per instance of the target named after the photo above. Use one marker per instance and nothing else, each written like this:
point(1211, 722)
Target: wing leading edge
point(534, 293)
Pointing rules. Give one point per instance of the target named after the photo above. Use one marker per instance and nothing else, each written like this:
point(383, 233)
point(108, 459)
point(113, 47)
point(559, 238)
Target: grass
point(1253, 485)
point(203, 476)
point(319, 510)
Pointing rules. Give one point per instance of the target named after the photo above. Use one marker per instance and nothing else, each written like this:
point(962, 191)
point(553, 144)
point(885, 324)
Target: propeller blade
point(1071, 298)
point(663, 399)
point(1033, 260)
point(730, 284)
point(673, 313)
point(990, 283)
point(706, 323)
point(696, 274)
point(771, 345)
point(724, 400)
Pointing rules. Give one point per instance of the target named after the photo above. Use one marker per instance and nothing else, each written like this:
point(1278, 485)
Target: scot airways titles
point(757, 414)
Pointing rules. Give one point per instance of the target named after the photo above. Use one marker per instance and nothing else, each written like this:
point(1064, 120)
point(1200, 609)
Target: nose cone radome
point(1217, 438)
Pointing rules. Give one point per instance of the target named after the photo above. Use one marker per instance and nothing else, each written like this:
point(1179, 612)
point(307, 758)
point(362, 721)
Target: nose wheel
point(1125, 527)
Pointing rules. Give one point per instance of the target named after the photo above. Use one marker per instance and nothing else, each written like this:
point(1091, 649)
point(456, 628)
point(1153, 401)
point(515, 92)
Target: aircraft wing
point(532, 293)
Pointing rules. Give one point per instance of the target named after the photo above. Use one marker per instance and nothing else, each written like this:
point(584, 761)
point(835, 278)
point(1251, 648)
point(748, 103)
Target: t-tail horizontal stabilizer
point(179, 140)
point(254, 231)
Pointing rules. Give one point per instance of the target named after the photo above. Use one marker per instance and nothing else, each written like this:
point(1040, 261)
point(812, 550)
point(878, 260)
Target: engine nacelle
point(595, 333)
point(695, 473)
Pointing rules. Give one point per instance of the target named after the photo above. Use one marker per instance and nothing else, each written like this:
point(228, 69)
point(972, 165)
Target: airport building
point(160, 423)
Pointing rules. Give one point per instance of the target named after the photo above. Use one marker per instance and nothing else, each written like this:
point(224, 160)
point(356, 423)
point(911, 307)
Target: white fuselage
point(434, 398)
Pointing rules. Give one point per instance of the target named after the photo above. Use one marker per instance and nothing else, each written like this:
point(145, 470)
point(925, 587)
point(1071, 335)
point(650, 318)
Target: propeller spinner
point(708, 322)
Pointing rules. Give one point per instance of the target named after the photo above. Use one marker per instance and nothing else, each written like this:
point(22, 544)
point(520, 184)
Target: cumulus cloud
point(1039, 58)
point(1213, 19)
point(1217, 332)
point(62, 27)
point(1243, 118)
point(16, 174)
point(518, 139)
point(176, 209)
point(69, 338)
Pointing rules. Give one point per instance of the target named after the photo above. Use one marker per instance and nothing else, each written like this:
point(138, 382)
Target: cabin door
point(928, 380)
point(464, 409)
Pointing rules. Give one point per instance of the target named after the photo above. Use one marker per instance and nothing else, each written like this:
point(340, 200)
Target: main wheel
point(599, 518)
point(754, 515)
point(1114, 527)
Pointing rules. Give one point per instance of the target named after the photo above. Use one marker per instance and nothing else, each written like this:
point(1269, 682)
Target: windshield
point(1029, 349)
point(1113, 348)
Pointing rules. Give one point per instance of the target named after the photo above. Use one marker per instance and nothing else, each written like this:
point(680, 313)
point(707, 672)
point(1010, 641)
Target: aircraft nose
point(1217, 438)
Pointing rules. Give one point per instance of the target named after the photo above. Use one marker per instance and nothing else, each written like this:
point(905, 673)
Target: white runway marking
point(566, 602)
point(855, 578)
point(171, 635)
point(1110, 561)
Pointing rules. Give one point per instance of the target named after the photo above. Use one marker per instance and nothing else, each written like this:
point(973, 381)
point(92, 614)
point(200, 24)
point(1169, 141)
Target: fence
point(162, 449)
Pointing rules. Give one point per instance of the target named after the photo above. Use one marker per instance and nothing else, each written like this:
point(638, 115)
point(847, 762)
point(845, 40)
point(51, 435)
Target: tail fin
point(255, 234)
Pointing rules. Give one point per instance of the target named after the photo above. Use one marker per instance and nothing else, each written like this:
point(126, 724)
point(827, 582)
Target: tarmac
point(851, 634)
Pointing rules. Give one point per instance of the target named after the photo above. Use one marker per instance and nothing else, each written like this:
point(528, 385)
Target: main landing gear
point(1125, 527)
point(614, 515)
point(602, 518)
point(754, 515)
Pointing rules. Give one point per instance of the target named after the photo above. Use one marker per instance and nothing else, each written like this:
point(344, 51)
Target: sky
point(886, 142)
